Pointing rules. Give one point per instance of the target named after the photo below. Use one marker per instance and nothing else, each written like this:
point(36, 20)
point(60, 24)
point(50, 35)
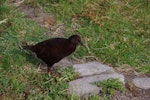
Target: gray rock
point(143, 83)
point(80, 88)
point(64, 63)
point(84, 86)
point(92, 68)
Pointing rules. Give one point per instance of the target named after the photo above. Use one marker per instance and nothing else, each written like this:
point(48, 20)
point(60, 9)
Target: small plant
point(66, 74)
point(109, 86)
point(144, 69)
point(94, 97)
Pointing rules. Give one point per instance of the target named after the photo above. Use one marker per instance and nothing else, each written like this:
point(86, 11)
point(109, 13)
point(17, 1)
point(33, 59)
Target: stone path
point(94, 71)
point(91, 72)
point(143, 83)
point(92, 68)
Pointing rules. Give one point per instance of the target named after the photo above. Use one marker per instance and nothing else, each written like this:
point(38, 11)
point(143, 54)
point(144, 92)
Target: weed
point(109, 86)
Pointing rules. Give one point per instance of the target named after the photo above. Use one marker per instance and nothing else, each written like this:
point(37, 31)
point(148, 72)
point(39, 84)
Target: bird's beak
point(82, 44)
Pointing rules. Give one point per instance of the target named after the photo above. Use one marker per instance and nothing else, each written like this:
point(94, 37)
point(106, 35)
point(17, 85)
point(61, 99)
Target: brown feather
point(53, 50)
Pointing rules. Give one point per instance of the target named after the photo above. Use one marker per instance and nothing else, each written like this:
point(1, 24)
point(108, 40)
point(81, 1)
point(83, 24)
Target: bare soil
point(132, 92)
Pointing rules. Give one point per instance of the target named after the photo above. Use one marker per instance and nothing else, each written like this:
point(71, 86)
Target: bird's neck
point(73, 47)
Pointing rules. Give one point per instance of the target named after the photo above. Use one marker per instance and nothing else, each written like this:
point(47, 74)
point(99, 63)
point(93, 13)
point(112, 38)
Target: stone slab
point(83, 86)
point(92, 68)
point(143, 83)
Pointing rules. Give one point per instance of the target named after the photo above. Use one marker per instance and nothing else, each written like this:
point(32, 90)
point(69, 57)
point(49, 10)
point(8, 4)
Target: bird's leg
point(50, 70)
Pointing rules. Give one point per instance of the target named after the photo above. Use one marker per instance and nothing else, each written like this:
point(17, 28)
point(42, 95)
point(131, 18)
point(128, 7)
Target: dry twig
point(18, 3)
point(3, 21)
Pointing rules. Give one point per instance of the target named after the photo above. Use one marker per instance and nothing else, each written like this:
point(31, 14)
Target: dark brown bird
point(53, 50)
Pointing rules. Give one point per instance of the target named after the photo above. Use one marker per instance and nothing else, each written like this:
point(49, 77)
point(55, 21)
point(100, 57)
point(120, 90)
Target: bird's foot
point(49, 70)
point(52, 72)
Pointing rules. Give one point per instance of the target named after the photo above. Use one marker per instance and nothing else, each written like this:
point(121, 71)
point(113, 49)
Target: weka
point(53, 50)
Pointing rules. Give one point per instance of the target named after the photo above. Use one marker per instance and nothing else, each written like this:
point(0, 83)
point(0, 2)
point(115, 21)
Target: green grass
point(19, 75)
point(109, 87)
point(26, 82)
point(115, 32)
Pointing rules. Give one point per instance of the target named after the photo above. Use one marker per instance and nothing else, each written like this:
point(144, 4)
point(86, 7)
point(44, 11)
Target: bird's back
point(53, 50)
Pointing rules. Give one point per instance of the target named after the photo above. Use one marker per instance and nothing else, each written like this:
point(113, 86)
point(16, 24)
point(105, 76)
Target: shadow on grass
point(31, 57)
point(19, 57)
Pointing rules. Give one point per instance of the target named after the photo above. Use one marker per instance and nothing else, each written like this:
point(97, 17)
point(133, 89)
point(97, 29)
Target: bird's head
point(75, 39)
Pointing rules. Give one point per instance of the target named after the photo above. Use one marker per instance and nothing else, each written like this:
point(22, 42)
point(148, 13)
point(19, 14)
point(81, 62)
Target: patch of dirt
point(132, 92)
point(45, 20)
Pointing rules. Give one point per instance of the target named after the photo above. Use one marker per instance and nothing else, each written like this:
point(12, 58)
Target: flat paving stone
point(92, 68)
point(84, 86)
point(143, 83)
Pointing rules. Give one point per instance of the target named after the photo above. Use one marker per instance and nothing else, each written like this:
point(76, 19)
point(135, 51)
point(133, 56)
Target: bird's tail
point(29, 47)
